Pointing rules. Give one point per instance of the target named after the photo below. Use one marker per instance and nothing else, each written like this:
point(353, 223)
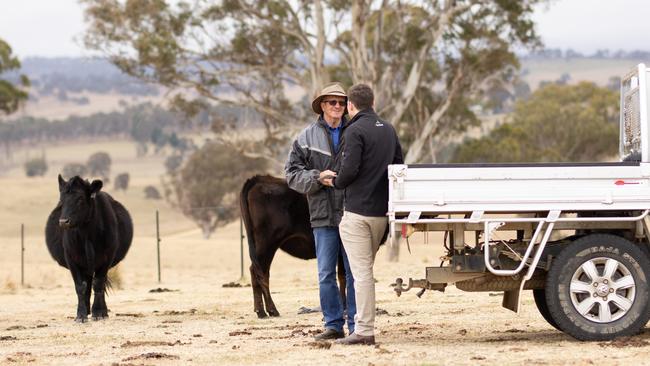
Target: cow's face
point(77, 199)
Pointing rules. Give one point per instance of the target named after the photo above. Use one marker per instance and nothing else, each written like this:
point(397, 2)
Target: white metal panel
point(519, 189)
point(643, 110)
point(634, 101)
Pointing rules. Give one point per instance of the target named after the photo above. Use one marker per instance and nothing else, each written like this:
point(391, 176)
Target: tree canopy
point(426, 60)
point(99, 165)
point(204, 189)
point(559, 123)
point(12, 94)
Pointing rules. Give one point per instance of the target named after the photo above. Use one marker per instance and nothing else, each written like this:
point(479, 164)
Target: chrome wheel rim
point(602, 290)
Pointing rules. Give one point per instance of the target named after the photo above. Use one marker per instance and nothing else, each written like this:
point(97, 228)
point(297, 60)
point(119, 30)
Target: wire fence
point(158, 240)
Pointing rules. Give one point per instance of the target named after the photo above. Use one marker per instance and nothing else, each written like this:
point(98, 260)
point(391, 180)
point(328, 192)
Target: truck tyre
point(540, 300)
point(597, 288)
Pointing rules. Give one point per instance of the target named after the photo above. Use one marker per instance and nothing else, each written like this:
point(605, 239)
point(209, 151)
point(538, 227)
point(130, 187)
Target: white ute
point(591, 279)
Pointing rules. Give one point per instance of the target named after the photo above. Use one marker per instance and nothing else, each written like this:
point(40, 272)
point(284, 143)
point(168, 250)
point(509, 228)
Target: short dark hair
point(361, 96)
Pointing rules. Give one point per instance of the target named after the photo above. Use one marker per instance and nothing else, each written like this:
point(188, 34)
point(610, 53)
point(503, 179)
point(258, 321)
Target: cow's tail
point(248, 224)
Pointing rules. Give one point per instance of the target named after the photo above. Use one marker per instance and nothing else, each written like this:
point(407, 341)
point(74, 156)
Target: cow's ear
point(61, 183)
point(95, 187)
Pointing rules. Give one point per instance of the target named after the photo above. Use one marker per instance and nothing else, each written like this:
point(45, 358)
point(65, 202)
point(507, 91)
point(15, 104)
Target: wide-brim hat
point(334, 89)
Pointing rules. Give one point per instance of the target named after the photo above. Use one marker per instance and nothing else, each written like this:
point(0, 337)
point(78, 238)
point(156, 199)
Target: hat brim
point(315, 104)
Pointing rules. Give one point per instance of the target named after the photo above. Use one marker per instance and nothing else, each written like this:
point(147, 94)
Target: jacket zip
point(330, 191)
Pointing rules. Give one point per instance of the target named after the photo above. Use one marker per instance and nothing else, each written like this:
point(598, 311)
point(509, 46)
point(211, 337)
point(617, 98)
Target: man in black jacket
point(370, 145)
point(313, 156)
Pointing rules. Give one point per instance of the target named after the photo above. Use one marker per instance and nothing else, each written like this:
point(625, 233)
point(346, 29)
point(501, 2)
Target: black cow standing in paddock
point(275, 216)
point(88, 232)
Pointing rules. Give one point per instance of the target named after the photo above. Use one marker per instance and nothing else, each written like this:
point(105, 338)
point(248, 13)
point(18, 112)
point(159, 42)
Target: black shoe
point(356, 339)
point(329, 334)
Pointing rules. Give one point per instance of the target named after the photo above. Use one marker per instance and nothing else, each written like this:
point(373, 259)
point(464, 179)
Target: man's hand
point(325, 178)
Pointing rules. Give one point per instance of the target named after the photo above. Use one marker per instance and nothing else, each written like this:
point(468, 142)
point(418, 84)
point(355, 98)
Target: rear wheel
point(597, 288)
point(540, 300)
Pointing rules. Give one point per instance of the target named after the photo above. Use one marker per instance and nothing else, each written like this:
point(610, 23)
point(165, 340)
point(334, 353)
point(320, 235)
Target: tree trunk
point(8, 150)
point(206, 229)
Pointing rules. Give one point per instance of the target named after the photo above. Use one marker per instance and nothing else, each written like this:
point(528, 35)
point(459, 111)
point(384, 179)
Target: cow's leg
point(82, 288)
point(89, 280)
point(268, 301)
point(257, 295)
point(340, 274)
point(99, 310)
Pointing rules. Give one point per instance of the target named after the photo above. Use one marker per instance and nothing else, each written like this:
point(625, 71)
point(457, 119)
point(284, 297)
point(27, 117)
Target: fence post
point(158, 243)
point(22, 254)
point(241, 248)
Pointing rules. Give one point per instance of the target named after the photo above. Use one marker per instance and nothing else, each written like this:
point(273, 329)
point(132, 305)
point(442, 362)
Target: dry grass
point(597, 71)
point(115, 278)
point(51, 107)
point(9, 286)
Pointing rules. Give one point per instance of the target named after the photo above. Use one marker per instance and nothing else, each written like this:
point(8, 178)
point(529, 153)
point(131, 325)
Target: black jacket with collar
point(370, 144)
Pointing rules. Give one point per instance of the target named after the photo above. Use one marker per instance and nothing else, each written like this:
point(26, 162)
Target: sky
point(53, 28)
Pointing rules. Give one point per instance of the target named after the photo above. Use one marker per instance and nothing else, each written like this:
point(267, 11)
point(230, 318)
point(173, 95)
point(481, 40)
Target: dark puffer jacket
point(313, 152)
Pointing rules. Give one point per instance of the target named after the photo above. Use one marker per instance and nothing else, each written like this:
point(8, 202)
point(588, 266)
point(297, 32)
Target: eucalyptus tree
point(12, 93)
point(427, 60)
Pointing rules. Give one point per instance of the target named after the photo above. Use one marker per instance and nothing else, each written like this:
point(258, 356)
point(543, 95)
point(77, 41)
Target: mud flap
point(511, 300)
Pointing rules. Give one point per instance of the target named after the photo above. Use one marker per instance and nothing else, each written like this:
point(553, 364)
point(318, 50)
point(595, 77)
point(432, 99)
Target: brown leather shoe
point(356, 339)
point(329, 334)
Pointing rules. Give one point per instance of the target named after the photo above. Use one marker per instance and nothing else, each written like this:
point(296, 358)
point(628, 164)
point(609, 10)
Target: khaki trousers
point(360, 236)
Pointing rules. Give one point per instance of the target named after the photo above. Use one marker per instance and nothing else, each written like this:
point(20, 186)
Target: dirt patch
point(625, 342)
point(381, 350)
point(21, 357)
point(130, 344)
point(379, 311)
point(514, 330)
point(179, 312)
point(152, 356)
point(131, 315)
point(306, 310)
point(235, 285)
point(319, 345)
point(506, 339)
point(160, 290)
point(239, 332)
point(16, 327)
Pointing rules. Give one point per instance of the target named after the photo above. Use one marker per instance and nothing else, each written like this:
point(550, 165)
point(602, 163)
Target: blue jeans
point(328, 246)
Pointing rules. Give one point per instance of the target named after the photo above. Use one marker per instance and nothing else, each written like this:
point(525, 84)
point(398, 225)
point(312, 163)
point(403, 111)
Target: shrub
point(122, 182)
point(73, 169)
point(151, 193)
point(99, 165)
point(35, 167)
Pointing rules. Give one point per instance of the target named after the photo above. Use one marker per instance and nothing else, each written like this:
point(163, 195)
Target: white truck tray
point(455, 188)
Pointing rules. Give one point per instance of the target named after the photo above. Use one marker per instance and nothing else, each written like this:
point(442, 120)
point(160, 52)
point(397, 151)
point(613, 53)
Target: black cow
point(275, 217)
point(88, 232)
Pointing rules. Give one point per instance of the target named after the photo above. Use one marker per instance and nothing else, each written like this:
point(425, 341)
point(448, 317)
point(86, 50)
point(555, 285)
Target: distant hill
point(599, 71)
point(62, 87)
point(77, 75)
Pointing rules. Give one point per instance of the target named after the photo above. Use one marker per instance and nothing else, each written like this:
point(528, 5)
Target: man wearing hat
point(313, 157)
